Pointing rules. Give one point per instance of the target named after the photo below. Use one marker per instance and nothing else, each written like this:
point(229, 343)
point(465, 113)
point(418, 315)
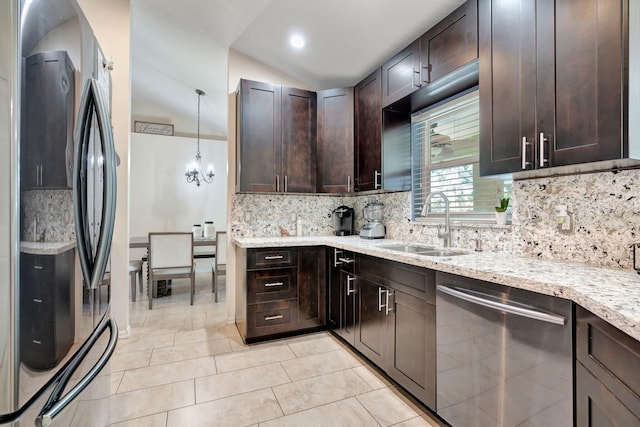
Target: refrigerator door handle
point(531, 313)
point(55, 403)
point(93, 101)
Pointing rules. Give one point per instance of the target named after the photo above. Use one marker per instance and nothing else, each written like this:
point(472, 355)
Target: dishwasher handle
point(507, 308)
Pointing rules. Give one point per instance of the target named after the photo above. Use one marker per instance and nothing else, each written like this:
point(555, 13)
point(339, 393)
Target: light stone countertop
point(46, 248)
point(612, 294)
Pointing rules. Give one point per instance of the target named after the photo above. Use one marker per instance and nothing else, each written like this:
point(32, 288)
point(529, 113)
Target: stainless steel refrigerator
point(57, 212)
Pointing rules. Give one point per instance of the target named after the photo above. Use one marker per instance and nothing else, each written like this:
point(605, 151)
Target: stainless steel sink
point(424, 250)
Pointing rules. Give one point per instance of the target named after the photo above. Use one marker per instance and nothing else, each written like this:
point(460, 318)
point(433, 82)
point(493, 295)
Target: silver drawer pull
point(273, 284)
point(276, 317)
point(38, 267)
point(37, 300)
point(269, 257)
point(36, 342)
point(346, 260)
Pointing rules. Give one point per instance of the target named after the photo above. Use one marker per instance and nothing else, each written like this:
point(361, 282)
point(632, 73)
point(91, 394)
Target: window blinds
point(445, 155)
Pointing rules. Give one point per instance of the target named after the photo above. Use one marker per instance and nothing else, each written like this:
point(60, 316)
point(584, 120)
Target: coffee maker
point(373, 214)
point(343, 221)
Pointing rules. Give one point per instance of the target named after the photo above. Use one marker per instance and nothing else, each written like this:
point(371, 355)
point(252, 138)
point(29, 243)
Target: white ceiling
point(180, 46)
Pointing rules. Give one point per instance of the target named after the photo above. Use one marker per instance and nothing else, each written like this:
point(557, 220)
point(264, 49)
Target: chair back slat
point(221, 247)
point(168, 250)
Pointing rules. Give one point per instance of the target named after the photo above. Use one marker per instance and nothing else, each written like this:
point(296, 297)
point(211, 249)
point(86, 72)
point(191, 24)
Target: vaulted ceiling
point(180, 46)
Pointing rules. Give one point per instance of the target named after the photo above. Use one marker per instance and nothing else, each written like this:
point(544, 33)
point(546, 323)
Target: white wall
point(161, 199)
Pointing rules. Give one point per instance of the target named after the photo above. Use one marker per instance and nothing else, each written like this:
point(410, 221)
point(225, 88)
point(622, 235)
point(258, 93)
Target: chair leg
point(193, 286)
point(215, 290)
point(133, 285)
point(140, 285)
point(151, 283)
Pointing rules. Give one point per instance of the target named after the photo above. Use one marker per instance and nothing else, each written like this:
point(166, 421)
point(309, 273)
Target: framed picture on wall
point(153, 128)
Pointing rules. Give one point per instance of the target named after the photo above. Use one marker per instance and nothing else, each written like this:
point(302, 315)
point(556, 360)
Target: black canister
point(343, 221)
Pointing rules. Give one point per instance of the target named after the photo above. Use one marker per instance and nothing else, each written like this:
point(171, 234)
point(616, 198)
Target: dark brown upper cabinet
point(335, 141)
point(276, 138)
point(552, 83)
point(450, 44)
point(368, 130)
point(299, 110)
point(401, 74)
point(47, 133)
point(447, 46)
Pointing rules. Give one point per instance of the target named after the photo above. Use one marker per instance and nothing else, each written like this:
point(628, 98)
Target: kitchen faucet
point(446, 235)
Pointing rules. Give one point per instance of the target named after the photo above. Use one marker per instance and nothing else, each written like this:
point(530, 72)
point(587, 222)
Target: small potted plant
point(501, 211)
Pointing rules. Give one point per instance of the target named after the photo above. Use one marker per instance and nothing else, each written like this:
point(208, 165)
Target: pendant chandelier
point(194, 169)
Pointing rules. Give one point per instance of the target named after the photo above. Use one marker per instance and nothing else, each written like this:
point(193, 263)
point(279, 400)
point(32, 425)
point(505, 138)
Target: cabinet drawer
point(413, 280)
point(271, 285)
point(271, 318)
point(610, 355)
point(272, 257)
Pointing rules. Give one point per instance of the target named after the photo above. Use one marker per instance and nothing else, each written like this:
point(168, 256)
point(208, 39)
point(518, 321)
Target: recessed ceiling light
point(297, 41)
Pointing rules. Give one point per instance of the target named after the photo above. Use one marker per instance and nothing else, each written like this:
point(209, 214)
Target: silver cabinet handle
point(348, 183)
point(477, 298)
point(377, 184)
point(41, 175)
point(524, 152)
point(267, 285)
point(275, 317)
point(336, 260)
point(38, 267)
point(346, 260)
point(387, 305)
point(37, 300)
point(36, 342)
point(543, 141)
point(277, 182)
point(349, 290)
point(413, 79)
point(380, 305)
point(270, 257)
point(285, 183)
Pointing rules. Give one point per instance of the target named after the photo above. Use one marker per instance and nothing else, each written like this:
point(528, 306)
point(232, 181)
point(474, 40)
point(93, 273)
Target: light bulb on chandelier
point(194, 169)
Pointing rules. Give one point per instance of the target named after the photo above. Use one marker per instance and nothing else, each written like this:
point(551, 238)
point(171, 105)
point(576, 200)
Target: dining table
point(143, 241)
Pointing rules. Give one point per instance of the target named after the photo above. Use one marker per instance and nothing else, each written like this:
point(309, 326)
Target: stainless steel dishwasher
point(504, 355)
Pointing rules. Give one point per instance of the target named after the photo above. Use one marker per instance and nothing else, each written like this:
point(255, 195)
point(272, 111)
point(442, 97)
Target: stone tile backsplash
point(606, 208)
point(52, 210)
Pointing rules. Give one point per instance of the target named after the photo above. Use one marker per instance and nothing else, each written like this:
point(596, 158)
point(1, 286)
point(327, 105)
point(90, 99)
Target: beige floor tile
point(256, 356)
point(137, 379)
point(314, 344)
point(146, 342)
point(241, 410)
point(237, 382)
point(190, 351)
point(152, 400)
point(372, 377)
point(386, 407)
point(319, 364)
point(156, 420)
point(347, 412)
point(309, 393)
point(116, 378)
point(422, 421)
point(199, 335)
point(133, 360)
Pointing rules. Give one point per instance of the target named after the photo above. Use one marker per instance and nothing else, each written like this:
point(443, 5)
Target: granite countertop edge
point(46, 248)
point(612, 294)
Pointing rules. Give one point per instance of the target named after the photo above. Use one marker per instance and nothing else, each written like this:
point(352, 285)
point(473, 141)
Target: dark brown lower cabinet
point(607, 374)
point(283, 292)
point(343, 295)
point(395, 326)
point(47, 320)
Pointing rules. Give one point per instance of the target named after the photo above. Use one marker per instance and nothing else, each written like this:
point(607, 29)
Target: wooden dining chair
point(170, 257)
point(219, 263)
